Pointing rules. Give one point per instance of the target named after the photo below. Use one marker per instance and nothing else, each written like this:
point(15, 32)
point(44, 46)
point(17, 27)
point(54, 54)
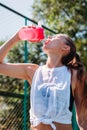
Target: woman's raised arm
point(16, 70)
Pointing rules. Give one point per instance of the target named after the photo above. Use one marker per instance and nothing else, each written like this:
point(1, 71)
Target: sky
point(10, 22)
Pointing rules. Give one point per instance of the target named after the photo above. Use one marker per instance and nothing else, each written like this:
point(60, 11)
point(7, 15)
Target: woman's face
point(54, 44)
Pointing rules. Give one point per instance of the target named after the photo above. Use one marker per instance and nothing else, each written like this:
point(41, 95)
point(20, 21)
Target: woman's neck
point(54, 61)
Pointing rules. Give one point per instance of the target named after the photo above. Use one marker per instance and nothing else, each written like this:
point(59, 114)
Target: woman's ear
point(66, 48)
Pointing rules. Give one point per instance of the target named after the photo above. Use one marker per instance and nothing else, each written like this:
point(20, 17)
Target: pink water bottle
point(32, 33)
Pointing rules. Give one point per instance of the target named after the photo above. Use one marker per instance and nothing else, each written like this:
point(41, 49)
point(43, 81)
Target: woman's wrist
point(15, 38)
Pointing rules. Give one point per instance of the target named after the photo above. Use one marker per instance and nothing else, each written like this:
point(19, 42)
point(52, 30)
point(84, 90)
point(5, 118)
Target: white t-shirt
point(50, 96)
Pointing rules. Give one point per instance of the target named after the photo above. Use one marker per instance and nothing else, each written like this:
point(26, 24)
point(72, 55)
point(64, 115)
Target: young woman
point(52, 83)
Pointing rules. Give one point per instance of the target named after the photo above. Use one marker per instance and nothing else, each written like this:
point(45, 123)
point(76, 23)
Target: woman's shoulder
point(31, 69)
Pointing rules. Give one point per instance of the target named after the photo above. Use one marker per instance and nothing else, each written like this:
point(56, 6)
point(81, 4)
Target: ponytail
point(73, 61)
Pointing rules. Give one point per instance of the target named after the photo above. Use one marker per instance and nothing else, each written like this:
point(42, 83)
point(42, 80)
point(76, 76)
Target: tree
point(65, 16)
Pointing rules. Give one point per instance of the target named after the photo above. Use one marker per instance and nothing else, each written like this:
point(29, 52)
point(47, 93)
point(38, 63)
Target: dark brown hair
point(72, 61)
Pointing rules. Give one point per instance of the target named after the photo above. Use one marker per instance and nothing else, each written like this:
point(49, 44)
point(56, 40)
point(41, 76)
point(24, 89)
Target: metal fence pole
point(25, 88)
point(74, 122)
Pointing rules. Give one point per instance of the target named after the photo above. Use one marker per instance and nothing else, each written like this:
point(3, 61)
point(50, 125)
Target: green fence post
point(25, 88)
point(74, 122)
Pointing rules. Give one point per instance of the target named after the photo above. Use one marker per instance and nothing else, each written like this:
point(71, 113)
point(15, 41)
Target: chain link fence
point(12, 111)
point(14, 100)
